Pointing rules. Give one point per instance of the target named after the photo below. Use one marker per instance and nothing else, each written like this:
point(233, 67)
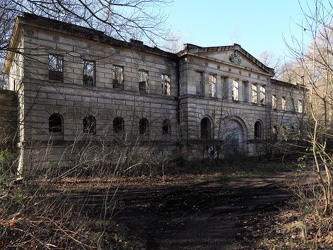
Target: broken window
point(212, 85)
point(254, 93)
point(56, 68)
point(55, 123)
point(166, 127)
point(200, 87)
point(89, 125)
point(118, 77)
point(283, 103)
point(143, 126)
point(274, 102)
point(118, 125)
point(143, 82)
point(235, 91)
point(262, 95)
point(257, 130)
point(89, 73)
point(205, 128)
point(165, 84)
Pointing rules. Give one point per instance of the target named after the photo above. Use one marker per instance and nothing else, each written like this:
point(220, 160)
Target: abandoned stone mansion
point(81, 96)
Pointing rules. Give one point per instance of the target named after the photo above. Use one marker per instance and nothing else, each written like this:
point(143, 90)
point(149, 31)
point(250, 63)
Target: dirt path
point(206, 215)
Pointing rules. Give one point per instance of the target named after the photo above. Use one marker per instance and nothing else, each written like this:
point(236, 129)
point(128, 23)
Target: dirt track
point(206, 215)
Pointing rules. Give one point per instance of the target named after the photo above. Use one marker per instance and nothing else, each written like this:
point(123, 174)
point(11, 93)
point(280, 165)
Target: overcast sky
point(257, 25)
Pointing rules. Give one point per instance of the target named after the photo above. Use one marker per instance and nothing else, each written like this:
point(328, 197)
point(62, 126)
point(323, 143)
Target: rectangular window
point(89, 73)
point(200, 84)
point(283, 103)
point(143, 82)
point(274, 102)
point(235, 91)
point(262, 94)
point(300, 106)
point(254, 93)
point(212, 85)
point(118, 77)
point(165, 84)
point(56, 63)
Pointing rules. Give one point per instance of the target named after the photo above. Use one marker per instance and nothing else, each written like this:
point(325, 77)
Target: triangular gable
point(234, 55)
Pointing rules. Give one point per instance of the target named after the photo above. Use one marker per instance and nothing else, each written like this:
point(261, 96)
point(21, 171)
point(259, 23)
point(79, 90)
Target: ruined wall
point(8, 119)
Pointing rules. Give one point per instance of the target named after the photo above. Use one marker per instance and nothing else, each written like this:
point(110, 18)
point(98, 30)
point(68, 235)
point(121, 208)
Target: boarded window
point(89, 73)
point(56, 68)
point(55, 123)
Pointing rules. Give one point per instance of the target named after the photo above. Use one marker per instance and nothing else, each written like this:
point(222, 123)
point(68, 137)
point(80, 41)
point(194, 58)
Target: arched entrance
point(234, 137)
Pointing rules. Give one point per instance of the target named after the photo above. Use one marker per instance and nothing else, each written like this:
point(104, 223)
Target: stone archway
point(234, 137)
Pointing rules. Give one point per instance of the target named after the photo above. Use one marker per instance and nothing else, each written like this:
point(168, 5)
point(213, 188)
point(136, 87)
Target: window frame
point(88, 79)
point(212, 80)
point(118, 77)
point(143, 81)
point(58, 128)
point(118, 125)
point(89, 125)
point(166, 84)
point(143, 126)
point(205, 128)
point(56, 72)
point(258, 130)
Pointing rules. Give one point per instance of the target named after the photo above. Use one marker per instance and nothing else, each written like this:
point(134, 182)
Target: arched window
point(205, 128)
point(118, 125)
point(166, 129)
point(55, 123)
point(258, 130)
point(89, 125)
point(143, 126)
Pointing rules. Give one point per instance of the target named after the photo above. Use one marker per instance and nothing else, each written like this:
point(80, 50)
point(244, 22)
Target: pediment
point(233, 55)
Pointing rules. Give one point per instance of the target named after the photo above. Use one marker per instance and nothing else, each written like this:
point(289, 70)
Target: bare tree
point(313, 66)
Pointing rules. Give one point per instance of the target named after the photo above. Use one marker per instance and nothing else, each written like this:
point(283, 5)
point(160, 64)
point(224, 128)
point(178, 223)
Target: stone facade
point(84, 96)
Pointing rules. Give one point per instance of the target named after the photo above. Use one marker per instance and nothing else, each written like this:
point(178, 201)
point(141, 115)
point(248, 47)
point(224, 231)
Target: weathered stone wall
point(8, 119)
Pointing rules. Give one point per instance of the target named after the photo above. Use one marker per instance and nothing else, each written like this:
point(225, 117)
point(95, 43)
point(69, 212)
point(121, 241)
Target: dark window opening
point(118, 77)
point(55, 123)
point(257, 130)
point(89, 73)
point(205, 128)
point(166, 127)
point(89, 125)
point(143, 126)
point(143, 83)
point(56, 68)
point(118, 125)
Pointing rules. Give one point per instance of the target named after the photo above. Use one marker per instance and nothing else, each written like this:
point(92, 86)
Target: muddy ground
point(201, 214)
